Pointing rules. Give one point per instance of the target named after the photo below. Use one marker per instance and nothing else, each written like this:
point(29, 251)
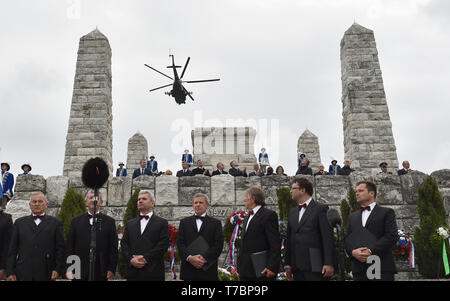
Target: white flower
point(443, 232)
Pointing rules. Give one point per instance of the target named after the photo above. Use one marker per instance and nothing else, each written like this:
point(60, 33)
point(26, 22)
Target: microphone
point(334, 218)
point(95, 173)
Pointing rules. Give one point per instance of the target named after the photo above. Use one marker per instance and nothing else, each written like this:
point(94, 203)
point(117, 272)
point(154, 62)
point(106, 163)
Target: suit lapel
point(43, 224)
point(309, 209)
point(194, 224)
point(148, 224)
point(32, 224)
point(371, 216)
point(244, 231)
point(204, 224)
point(255, 217)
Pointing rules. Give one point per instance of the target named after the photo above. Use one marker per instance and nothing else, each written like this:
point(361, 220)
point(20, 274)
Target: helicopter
point(178, 91)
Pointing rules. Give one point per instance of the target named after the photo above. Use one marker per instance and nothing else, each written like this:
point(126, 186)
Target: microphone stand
point(93, 243)
point(340, 253)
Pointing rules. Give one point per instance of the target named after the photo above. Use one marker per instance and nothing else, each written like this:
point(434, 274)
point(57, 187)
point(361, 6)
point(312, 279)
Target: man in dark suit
point(201, 266)
point(256, 171)
point(260, 233)
point(6, 227)
point(79, 239)
point(185, 172)
point(235, 171)
point(310, 248)
point(144, 242)
point(380, 224)
point(405, 169)
point(200, 170)
point(220, 170)
point(304, 169)
point(142, 170)
point(36, 251)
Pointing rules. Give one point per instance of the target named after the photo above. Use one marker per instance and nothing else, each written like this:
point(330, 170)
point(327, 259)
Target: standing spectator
point(121, 171)
point(304, 169)
point(334, 168)
point(300, 159)
point(26, 169)
point(405, 169)
point(200, 170)
point(143, 170)
point(263, 160)
point(185, 172)
point(152, 164)
point(270, 172)
point(235, 171)
point(346, 170)
point(7, 185)
point(220, 170)
point(280, 171)
point(322, 171)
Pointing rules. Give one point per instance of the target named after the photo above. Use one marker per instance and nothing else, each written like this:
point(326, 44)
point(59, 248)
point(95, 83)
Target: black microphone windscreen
point(333, 217)
point(95, 173)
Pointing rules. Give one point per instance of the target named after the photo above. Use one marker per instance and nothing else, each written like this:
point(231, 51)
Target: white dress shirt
point(251, 216)
point(91, 220)
point(199, 222)
point(365, 214)
point(144, 221)
point(302, 211)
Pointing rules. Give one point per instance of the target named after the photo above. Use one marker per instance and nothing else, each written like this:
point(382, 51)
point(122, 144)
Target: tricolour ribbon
point(412, 261)
point(172, 260)
point(232, 247)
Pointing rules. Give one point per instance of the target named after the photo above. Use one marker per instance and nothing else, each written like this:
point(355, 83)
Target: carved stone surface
point(166, 191)
point(222, 190)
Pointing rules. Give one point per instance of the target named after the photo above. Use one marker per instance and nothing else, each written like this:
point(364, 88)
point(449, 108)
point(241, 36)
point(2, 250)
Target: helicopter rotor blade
point(185, 66)
point(160, 87)
point(188, 94)
point(202, 81)
point(158, 71)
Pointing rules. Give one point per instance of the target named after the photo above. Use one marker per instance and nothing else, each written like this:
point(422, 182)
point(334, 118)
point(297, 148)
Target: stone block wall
point(174, 195)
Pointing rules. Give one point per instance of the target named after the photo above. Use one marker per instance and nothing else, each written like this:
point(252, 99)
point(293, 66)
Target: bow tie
point(41, 217)
point(302, 206)
point(143, 216)
point(250, 213)
point(202, 218)
point(365, 208)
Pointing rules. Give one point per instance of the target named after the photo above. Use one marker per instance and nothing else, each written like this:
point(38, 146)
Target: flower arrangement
point(224, 275)
point(443, 232)
point(404, 248)
point(231, 233)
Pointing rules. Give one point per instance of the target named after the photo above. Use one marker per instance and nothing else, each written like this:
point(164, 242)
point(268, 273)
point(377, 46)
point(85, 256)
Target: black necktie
point(365, 208)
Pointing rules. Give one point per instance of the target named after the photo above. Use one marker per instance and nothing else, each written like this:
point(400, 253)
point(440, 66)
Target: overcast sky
point(279, 64)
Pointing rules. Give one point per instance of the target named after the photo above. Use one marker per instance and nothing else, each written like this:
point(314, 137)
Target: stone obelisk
point(368, 138)
point(137, 151)
point(308, 144)
point(90, 123)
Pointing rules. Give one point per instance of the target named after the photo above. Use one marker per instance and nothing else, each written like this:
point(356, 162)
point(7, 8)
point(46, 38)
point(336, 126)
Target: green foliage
point(131, 212)
point(72, 205)
point(285, 202)
point(224, 275)
point(348, 206)
point(428, 244)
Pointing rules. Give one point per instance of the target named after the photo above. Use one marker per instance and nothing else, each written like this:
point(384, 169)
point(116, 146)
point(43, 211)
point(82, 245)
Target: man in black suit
point(310, 250)
point(304, 168)
point(202, 266)
point(144, 242)
point(79, 239)
point(6, 227)
point(405, 169)
point(260, 233)
point(220, 170)
point(380, 224)
point(235, 171)
point(36, 251)
point(142, 170)
point(256, 171)
point(200, 170)
point(185, 172)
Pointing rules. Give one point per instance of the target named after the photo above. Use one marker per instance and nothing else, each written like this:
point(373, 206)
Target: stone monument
point(137, 150)
point(214, 145)
point(90, 124)
point(368, 138)
point(308, 144)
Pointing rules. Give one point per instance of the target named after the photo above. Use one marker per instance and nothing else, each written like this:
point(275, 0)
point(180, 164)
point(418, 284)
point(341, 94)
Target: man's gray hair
point(37, 193)
point(149, 194)
point(201, 195)
point(92, 191)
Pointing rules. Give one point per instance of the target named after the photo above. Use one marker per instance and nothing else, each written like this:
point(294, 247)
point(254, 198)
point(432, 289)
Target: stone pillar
point(90, 125)
point(137, 150)
point(368, 138)
point(308, 144)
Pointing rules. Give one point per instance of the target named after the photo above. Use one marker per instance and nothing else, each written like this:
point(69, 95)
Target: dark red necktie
point(202, 218)
point(365, 208)
point(41, 217)
point(301, 206)
point(143, 216)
